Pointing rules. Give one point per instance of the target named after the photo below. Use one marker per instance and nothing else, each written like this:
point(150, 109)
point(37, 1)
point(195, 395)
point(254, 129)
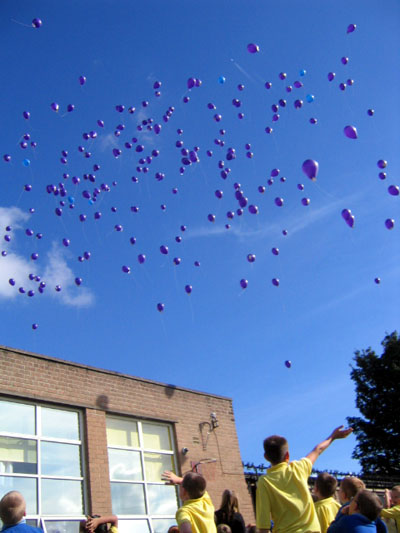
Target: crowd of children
point(284, 502)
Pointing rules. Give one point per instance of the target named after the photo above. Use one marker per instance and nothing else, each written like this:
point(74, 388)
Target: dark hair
point(351, 485)
point(223, 528)
point(275, 448)
point(326, 484)
point(229, 506)
point(194, 484)
point(368, 504)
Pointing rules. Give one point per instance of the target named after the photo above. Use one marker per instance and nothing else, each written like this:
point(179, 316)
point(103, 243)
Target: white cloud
point(14, 267)
point(107, 141)
point(12, 216)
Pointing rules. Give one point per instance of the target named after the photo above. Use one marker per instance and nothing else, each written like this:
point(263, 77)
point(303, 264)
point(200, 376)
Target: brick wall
point(99, 392)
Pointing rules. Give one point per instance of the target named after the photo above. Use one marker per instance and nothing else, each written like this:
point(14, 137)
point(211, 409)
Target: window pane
point(61, 497)
point(137, 526)
point(122, 433)
point(60, 459)
point(25, 485)
point(127, 499)
point(156, 437)
point(161, 525)
point(125, 465)
point(60, 424)
point(18, 456)
point(32, 522)
point(62, 526)
point(17, 418)
point(155, 464)
point(162, 499)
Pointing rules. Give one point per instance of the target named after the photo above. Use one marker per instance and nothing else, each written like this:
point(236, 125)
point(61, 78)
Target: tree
point(377, 380)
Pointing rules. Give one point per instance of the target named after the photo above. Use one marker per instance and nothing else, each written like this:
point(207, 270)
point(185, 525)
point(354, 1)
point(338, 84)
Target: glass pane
point(32, 522)
point(125, 465)
point(58, 526)
point(122, 433)
point(60, 424)
point(138, 526)
point(162, 499)
point(17, 456)
point(25, 485)
point(60, 459)
point(156, 437)
point(17, 418)
point(127, 499)
point(155, 464)
point(161, 525)
point(61, 497)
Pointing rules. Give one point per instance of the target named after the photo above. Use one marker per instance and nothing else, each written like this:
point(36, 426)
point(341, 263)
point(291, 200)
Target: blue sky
point(220, 338)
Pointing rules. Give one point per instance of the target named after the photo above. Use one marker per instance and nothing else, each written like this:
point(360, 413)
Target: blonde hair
point(12, 508)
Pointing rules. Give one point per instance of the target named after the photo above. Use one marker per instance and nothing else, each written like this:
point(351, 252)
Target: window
point(41, 457)
point(138, 454)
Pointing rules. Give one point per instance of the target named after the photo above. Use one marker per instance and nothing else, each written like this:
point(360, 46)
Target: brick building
point(76, 440)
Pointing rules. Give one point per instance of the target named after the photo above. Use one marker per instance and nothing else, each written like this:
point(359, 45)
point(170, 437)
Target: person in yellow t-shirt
point(392, 502)
point(197, 512)
point(283, 494)
point(326, 506)
point(98, 524)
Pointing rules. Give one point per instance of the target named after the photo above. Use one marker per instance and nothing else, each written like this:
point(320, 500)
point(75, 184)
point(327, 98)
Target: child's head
point(349, 486)
point(223, 528)
point(12, 508)
point(366, 503)
point(325, 486)
point(229, 502)
point(395, 495)
point(173, 529)
point(193, 485)
point(276, 449)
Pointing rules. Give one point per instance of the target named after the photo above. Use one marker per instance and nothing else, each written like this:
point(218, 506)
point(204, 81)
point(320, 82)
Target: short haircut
point(368, 504)
point(351, 485)
point(12, 508)
point(194, 484)
point(275, 448)
point(396, 491)
point(326, 484)
point(223, 528)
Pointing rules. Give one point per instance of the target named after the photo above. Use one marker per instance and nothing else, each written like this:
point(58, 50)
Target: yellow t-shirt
point(200, 513)
point(113, 529)
point(326, 510)
point(283, 495)
point(393, 512)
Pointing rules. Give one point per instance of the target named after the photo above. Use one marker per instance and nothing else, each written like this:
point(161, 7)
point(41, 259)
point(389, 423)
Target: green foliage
point(377, 381)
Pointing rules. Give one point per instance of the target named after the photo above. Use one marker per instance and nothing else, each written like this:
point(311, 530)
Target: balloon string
point(22, 23)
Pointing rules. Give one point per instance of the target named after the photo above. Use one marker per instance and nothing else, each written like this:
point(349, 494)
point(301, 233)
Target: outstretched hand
point(171, 478)
point(340, 433)
point(92, 524)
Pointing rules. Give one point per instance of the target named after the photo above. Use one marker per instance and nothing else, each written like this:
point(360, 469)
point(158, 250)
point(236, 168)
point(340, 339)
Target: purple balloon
point(278, 201)
point(389, 223)
point(342, 86)
point(297, 84)
point(177, 260)
point(141, 258)
point(35, 326)
point(82, 80)
point(346, 214)
point(275, 282)
point(188, 289)
point(268, 85)
point(191, 83)
point(244, 283)
point(350, 221)
point(288, 364)
point(7, 158)
point(298, 104)
point(382, 163)
point(211, 217)
point(350, 132)
point(55, 107)
point(36, 23)
point(282, 75)
point(26, 115)
point(305, 201)
point(253, 48)
point(351, 28)
point(275, 251)
point(310, 169)
point(164, 249)
point(331, 76)
point(253, 209)
point(377, 280)
point(126, 269)
point(219, 194)
point(197, 263)
point(382, 175)
point(160, 307)
point(394, 190)
point(78, 281)
point(251, 258)
point(370, 112)
point(344, 60)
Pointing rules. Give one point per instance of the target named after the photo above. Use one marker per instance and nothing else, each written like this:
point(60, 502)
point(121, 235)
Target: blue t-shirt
point(21, 527)
point(356, 523)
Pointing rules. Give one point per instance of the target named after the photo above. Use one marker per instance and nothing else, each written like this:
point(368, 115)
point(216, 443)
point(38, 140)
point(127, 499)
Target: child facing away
point(392, 502)
point(197, 512)
point(348, 488)
point(13, 512)
point(283, 493)
point(360, 516)
point(326, 506)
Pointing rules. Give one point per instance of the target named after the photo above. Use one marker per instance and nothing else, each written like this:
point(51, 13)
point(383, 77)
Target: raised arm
point(93, 523)
point(171, 478)
point(338, 433)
